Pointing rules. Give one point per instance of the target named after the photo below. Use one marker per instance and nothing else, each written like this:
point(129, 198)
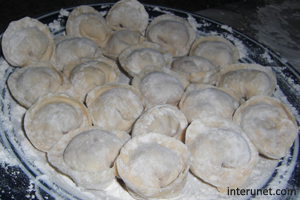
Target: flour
point(45, 178)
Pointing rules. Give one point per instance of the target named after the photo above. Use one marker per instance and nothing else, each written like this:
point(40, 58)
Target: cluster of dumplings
point(190, 105)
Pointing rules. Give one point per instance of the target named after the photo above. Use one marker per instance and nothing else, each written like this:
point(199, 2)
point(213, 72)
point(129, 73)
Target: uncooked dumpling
point(153, 166)
point(115, 106)
point(221, 153)
point(87, 155)
point(215, 48)
point(26, 41)
point(86, 74)
point(201, 100)
point(248, 79)
point(160, 86)
point(70, 48)
point(163, 119)
point(197, 69)
point(121, 40)
point(269, 124)
point(137, 57)
point(52, 116)
point(128, 14)
point(27, 84)
point(85, 21)
point(173, 33)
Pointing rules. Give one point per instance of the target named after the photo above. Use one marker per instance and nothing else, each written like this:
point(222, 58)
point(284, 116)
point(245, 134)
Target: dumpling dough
point(26, 41)
point(248, 79)
point(173, 33)
point(86, 74)
point(27, 84)
point(160, 86)
point(215, 48)
point(121, 40)
point(201, 100)
point(221, 153)
point(69, 49)
point(137, 57)
point(269, 124)
point(85, 21)
point(87, 155)
point(153, 165)
point(128, 14)
point(115, 106)
point(197, 69)
point(52, 116)
point(163, 119)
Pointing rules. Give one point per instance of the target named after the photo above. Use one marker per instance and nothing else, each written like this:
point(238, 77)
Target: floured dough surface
point(128, 14)
point(27, 41)
point(268, 124)
point(116, 108)
point(207, 101)
point(153, 165)
point(163, 119)
point(92, 151)
point(221, 153)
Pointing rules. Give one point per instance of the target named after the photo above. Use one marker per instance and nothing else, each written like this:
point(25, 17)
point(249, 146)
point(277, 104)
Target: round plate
point(32, 168)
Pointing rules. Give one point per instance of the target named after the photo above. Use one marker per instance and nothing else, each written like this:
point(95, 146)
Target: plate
point(28, 174)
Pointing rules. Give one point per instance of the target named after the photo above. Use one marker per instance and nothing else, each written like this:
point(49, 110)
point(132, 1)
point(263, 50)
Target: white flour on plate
point(195, 189)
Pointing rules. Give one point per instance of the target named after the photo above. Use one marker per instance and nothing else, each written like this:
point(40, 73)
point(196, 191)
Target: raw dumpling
point(27, 41)
point(153, 166)
point(163, 119)
point(215, 48)
point(248, 79)
point(121, 40)
point(27, 84)
point(197, 69)
point(85, 21)
point(86, 74)
point(137, 57)
point(201, 100)
point(115, 106)
point(221, 153)
point(128, 14)
point(69, 49)
point(269, 124)
point(52, 116)
point(173, 33)
point(160, 86)
point(87, 155)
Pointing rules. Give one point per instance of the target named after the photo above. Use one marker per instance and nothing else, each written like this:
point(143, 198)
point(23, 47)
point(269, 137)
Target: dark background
point(11, 10)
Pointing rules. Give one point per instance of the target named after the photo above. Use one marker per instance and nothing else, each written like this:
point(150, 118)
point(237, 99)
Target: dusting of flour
point(62, 186)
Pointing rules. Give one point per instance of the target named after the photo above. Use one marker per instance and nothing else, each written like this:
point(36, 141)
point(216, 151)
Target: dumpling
point(201, 100)
point(137, 57)
point(215, 48)
point(153, 166)
point(52, 116)
point(87, 156)
point(27, 84)
point(85, 21)
point(115, 106)
point(121, 40)
point(160, 86)
point(248, 79)
point(26, 41)
point(173, 33)
point(128, 14)
point(269, 124)
point(163, 119)
point(221, 153)
point(69, 49)
point(86, 74)
point(197, 69)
